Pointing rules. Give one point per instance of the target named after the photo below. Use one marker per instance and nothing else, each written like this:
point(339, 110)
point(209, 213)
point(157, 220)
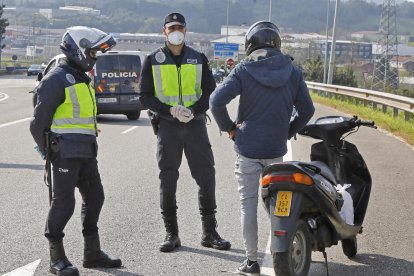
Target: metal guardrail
point(386, 100)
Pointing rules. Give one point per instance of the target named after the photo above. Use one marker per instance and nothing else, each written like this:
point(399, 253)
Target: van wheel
point(133, 115)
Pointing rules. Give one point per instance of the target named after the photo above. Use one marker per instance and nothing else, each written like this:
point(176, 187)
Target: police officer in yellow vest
point(176, 85)
point(66, 107)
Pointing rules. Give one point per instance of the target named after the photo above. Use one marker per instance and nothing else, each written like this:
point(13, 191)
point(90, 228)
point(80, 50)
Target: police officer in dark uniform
point(176, 85)
point(66, 108)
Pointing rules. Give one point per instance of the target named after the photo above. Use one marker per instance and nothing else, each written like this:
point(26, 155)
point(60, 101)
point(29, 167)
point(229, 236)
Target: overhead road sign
point(223, 51)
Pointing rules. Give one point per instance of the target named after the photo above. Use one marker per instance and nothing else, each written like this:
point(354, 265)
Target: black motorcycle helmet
point(80, 44)
point(262, 34)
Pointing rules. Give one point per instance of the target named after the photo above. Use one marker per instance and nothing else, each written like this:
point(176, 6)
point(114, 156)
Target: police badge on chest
point(191, 61)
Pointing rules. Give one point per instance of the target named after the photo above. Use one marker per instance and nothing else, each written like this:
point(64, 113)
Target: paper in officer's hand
point(185, 118)
point(174, 111)
point(184, 111)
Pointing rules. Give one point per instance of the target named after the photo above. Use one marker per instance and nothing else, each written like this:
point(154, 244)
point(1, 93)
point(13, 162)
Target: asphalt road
point(131, 225)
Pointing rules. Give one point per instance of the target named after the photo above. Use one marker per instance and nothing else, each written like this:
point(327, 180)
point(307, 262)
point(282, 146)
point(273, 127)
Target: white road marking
point(3, 96)
point(288, 156)
point(15, 122)
point(129, 130)
point(267, 264)
point(27, 270)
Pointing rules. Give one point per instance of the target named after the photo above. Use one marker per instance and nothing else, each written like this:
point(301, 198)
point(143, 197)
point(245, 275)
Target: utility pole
point(333, 46)
point(383, 76)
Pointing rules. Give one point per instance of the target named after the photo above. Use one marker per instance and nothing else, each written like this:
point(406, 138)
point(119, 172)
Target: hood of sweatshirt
point(269, 67)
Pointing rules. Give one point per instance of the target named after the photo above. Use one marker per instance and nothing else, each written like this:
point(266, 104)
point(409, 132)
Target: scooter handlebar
point(365, 123)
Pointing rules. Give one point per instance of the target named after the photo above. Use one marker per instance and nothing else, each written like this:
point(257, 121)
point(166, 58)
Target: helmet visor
point(104, 44)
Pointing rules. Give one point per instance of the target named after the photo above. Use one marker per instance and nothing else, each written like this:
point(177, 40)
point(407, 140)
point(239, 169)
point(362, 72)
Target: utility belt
point(72, 145)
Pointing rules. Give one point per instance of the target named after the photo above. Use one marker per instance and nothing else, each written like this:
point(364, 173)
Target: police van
point(115, 78)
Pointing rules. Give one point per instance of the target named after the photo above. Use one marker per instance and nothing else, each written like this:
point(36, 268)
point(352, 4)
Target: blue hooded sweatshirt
point(270, 86)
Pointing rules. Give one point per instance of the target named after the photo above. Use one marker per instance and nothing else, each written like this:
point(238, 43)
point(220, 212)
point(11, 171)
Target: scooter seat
point(325, 171)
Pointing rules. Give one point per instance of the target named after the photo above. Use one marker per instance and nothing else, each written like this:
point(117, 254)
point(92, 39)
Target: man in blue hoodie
point(270, 87)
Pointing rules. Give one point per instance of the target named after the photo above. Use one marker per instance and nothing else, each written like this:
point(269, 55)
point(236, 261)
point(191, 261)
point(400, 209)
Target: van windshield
point(117, 74)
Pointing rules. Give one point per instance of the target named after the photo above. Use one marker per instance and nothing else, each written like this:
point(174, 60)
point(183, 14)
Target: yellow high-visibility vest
point(77, 114)
point(177, 85)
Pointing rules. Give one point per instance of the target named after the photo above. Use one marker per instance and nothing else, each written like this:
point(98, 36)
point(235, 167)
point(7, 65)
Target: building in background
point(345, 50)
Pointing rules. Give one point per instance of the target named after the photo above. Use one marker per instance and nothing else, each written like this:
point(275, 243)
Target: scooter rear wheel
point(296, 261)
point(350, 247)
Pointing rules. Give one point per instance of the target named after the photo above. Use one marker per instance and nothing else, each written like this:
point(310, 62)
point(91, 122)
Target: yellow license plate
point(283, 201)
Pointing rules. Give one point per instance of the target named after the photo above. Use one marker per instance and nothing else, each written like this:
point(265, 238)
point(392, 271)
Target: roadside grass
point(397, 126)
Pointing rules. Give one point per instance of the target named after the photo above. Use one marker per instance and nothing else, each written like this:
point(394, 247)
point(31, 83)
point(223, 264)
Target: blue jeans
point(247, 172)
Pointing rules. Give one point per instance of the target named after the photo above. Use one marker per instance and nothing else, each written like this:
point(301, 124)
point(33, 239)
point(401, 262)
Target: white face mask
point(175, 38)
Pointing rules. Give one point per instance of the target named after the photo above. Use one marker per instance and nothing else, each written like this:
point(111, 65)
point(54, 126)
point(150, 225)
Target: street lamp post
point(270, 10)
point(333, 46)
point(325, 67)
point(227, 21)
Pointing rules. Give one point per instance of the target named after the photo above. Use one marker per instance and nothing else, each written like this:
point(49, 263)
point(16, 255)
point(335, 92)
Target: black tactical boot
point(59, 264)
point(93, 256)
point(171, 240)
point(210, 236)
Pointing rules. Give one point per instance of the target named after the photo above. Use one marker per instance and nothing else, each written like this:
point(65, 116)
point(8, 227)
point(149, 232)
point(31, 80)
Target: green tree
point(3, 24)
point(313, 69)
point(345, 77)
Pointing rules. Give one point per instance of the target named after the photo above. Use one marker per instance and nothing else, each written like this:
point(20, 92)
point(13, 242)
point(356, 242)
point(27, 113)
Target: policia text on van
point(120, 75)
point(115, 78)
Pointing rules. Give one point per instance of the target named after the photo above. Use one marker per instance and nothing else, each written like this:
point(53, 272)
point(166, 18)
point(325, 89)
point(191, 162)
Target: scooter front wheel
point(350, 247)
point(296, 261)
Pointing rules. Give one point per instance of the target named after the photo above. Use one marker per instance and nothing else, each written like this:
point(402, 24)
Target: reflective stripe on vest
point(171, 81)
point(77, 114)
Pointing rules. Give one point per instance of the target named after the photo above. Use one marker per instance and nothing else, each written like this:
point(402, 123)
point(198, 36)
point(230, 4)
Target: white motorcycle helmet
point(80, 44)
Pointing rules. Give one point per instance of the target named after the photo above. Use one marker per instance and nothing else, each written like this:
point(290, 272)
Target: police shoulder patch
point(192, 60)
point(70, 78)
point(160, 57)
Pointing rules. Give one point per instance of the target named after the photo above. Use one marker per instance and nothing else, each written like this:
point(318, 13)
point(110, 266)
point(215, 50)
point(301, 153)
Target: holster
point(154, 119)
point(54, 144)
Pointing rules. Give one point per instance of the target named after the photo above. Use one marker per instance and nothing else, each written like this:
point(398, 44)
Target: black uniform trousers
point(174, 138)
point(69, 173)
